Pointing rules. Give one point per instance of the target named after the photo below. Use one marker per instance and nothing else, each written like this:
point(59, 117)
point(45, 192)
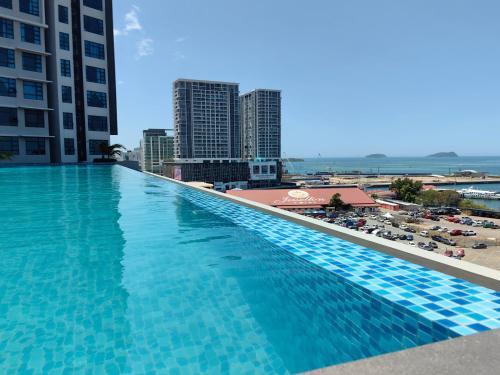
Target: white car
point(424, 233)
point(387, 222)
point(374, 217)
point(443, 230)
point(403, 227)
point(477, 224)
point(411, 243)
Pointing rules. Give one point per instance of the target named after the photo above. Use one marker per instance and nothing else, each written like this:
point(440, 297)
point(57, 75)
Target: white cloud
point(132, 22)
point(181, 39)
point(178, 55)
point(145, 47)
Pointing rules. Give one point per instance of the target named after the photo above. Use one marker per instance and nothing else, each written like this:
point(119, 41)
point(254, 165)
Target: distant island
point(294, 159)
point(376, 156)
point(443, 155)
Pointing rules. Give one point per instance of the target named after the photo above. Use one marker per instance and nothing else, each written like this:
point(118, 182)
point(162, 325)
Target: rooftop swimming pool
point(107, 270)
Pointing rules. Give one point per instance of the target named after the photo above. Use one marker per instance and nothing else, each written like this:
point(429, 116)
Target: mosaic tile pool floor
point(104, 270)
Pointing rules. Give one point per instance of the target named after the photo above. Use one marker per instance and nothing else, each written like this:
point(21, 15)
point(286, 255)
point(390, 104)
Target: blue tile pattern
point(461, 306)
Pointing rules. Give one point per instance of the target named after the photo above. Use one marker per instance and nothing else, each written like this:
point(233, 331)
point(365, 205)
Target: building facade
point(57, 79)
point(157, 147)
point(260, 118)
point(206, 120)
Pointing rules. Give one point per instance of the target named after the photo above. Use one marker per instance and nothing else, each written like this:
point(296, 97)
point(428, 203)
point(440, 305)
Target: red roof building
point(293, 199)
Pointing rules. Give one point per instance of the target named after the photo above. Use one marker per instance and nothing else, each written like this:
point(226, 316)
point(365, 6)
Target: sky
point(399, 77)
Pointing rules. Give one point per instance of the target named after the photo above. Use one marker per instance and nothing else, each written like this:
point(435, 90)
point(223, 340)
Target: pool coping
point(473, 273)
point(473, 354)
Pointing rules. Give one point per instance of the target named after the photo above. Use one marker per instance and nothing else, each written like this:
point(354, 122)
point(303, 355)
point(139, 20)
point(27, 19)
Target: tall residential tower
point(206, 120)
point(261, 124)
point(57, 79)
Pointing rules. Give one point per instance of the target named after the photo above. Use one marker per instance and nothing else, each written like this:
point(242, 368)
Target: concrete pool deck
point(474, 273)
point(475, 354)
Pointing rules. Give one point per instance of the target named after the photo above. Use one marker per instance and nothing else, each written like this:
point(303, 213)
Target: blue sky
point(399, 77)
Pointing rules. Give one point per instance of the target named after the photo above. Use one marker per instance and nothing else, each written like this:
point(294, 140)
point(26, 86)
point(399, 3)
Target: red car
point(456, 232)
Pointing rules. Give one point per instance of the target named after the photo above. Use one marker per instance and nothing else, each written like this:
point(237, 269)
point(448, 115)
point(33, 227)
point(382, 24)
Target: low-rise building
point(299, 200)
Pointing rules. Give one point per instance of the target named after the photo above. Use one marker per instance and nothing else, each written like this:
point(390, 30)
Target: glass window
point(264, 169)
point(64, 41)
point(95, 50)
point(32, 62)
point(7, 58)
point(30, 7)
point(35, 146)
point(6, 28)
point(95, 146)
point(98, 123)
point(96, 75)
point(256, 169)
point(34, 118)
point(63, 13)
point(97, 99)
point(9, 145)
point(272, 169)
point(69, 146)
point(93, 25)
point(67, 120)
point(65, 68)
point(8, 87)
point(30, 34)
point(8, 116)
point(96, 4)
point(33, 90)
point(6, 3)
point(67, 96)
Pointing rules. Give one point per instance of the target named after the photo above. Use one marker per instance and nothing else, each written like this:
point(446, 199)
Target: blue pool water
point(106, 270)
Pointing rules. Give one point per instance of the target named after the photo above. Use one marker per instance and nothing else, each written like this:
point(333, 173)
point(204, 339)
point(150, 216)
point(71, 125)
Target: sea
point(406, 165)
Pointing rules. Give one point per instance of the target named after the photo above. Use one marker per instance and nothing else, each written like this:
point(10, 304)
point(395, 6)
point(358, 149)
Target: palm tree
point(110, 151)
point(5, 156)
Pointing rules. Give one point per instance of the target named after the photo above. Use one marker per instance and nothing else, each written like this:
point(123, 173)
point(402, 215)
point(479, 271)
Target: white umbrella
point(388, 216)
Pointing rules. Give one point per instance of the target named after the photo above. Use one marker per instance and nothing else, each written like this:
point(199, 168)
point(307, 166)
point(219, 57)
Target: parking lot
point(489, 256)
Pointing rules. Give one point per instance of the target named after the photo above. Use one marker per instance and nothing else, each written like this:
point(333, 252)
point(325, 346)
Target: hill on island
point(443, 155)
point(376, 156)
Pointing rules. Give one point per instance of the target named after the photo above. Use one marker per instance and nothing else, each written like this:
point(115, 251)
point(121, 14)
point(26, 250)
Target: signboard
point(299, 197)
point(178, 173)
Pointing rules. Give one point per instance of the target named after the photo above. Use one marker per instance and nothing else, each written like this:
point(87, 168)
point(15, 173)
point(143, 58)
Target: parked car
point(433, 245)
point(480, 245)
point(436, 227)
point(411, 243)
point(403, 227)
point(387, 222)
point(424, 233)
point(468, 233)
point(409, 237)
point(455, 232)
point(423, 246)
point(437, 238)
point(449, 242)
point(403, 237)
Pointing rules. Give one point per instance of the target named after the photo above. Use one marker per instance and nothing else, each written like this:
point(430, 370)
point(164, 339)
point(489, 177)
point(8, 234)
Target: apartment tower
point(57, 79)
point(260, 117)
point(206, 120)
point(157, 147)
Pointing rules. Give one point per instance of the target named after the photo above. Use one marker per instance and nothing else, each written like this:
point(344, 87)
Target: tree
point(467, 204)
point(5, 156)
point(110, 151)
point(434, 198)
point(337, 203)
point(406, 189)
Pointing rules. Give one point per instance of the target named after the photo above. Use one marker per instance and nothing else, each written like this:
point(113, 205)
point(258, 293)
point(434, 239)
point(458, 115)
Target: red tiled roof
point(305, 197)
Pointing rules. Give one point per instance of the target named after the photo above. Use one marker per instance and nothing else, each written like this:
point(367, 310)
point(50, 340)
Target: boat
point(472, 193)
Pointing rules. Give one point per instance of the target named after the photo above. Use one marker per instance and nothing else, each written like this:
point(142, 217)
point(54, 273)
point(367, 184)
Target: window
point(63, 13)
point(7, 58)
point(96, 75)
point(30, 34)
point(64, 41)
point(65, 68)
point(35, 146)
point(256, 169)
point(93, 25)
point(8, 87)
point(69, 146)
point(95, 50)
point(9, 145)
point(264, 169)
point(6, 28)
point(6, 3)
point(97, 99)
point(96, 4)
point(272, 169)
point(33, 90)
point(98, 123)
point(34, 118)
point(66, 94)
point(95, 146)
point(8, 116)
point(67, 120)
point(32, 62)
point(30, 6)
